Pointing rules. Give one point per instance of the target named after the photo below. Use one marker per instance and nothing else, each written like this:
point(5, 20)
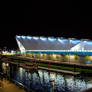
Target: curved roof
point(51, 43)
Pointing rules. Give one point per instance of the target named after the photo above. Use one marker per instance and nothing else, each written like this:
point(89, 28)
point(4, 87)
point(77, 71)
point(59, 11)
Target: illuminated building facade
point(56, 47)
point(53, 45)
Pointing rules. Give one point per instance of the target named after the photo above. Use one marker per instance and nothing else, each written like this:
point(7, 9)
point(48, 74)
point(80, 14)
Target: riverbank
point(55, 65)
point(7, 86)
point(40, 80)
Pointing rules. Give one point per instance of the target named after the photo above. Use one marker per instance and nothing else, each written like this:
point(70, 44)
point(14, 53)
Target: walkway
point(51, 61)
point(9, 87)
point(61, 71)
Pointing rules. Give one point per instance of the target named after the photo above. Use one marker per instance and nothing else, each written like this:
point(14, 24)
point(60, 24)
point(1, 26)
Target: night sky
point(44, 19)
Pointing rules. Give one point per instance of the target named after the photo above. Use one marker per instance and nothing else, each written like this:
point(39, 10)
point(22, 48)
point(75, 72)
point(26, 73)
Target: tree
point(49, 56)
point(28, 54)
point(66, 57)
point(76, 56)
point(37, 55)
point(19, 53)
point(16, 52)
point(87, 58)
point(57, 57)
point(32, 54)
point(43, 55)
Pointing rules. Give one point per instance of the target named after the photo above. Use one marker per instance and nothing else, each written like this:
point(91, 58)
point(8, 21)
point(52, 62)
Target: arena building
point(54, 46)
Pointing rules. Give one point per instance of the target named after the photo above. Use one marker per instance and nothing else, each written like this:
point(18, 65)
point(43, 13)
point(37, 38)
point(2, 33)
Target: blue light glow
point(43, 39)
point(28, 37)
point(18, 36)
point(89, 42)
point(23, 37)
point(61, 52)
point(35, 38)
point(61, 40)
point(88, 62)
point(51, 39)
point(75, 41)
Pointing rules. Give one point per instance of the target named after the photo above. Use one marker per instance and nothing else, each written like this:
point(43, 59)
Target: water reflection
point(40, 80)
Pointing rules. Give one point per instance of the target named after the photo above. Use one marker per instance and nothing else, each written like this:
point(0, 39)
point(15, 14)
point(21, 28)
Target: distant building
point(53, 45)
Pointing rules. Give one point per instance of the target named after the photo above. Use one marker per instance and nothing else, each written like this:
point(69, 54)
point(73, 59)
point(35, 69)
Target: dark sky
point(45, 19)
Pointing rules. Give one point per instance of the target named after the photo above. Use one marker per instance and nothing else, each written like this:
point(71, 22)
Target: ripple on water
point(39, 81)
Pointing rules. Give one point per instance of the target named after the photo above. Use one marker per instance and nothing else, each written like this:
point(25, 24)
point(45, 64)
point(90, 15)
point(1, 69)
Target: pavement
point(60, 71)
point(7, 86)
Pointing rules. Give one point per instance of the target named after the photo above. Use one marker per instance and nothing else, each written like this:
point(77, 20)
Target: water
point(39, 81)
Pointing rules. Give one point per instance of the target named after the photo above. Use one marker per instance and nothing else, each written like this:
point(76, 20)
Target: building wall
point(58, 44)
point(62, 58)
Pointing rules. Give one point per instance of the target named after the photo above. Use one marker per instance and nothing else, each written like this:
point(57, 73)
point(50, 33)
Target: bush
point(28, 54)
point(76, 57)
point(87, 57)
point(37, 55)
point(57, 57)
point(66, 57)
point(49, 56)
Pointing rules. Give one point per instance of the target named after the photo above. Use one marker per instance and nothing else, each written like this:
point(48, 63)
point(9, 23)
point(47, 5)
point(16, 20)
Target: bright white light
point(21, 72)
point(7, 64)
point(35, 38)
point(23, 37)
point(51, 39)
point(75, 41)
point(89, 42)
point(43, 39)
point(28, 37)
point(53, 76)
point(21, 47)
point(18, 36)
point(61, 40)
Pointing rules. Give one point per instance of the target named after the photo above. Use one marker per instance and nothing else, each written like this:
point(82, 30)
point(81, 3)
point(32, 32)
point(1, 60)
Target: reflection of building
point(51, 45)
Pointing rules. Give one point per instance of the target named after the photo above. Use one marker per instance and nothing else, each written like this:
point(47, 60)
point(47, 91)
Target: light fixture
point(18, 36)
point(75, 41)
point(35, 38)
point(29, 37)
point(61, 40)
point(43, 39)
point(51, 39)
point(23, 37)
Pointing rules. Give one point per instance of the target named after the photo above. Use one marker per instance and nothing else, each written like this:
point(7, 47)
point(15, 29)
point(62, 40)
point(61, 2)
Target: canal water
point(47, 81)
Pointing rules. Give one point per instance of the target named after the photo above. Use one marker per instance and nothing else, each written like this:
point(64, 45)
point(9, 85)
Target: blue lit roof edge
point(57, 38)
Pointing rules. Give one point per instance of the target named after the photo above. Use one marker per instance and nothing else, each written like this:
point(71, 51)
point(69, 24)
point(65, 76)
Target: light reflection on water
point(40, 81)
